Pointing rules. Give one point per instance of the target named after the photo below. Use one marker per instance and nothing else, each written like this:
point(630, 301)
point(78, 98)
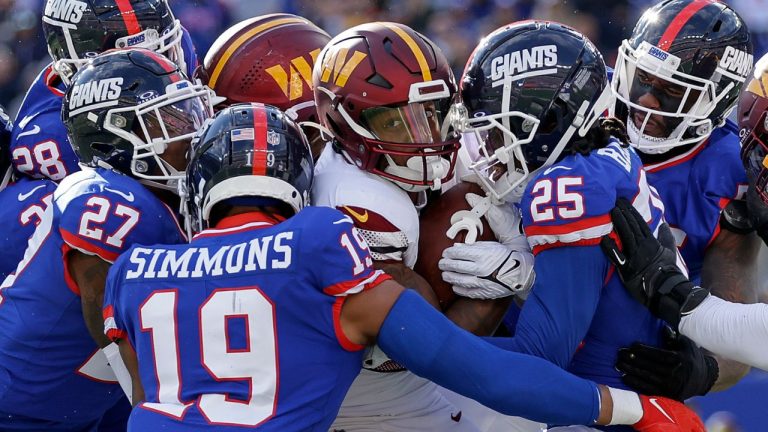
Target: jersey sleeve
point(40, 147)
point(386, 242)
point(114, 327)
point(340, 258)
point(559, 311)
point(109, 222)
point(567, 207)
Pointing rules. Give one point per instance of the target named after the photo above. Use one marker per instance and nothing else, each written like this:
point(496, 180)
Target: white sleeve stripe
point(571, 237)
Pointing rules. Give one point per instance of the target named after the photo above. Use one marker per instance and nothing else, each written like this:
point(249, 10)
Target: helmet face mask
point(684, 103)
point(753, 130)
point(384, 92)
point(163, 127)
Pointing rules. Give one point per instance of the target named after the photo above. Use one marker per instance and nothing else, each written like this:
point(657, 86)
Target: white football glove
point(490, 270)
point(487, 270)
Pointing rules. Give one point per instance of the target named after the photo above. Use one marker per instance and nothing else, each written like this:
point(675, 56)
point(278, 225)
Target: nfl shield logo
point(273, 138)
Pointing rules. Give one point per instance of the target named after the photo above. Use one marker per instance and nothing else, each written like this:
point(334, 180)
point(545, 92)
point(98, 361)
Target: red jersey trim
point(585, 242)
point(76, 242)
point(345, 343)
point(240, 223)
point(568, 228)
point(49, 78)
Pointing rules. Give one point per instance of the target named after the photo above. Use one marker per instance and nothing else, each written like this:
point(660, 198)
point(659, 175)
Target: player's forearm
point(94, 320)
point(425, 342)
point(406, 277)
point(736, 331)
point(480, 317)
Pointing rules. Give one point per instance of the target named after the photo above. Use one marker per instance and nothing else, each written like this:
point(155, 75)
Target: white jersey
point(383, 213)
point(388, 220)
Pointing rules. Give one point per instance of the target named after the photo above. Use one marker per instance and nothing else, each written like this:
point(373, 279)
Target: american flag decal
point(245, 134)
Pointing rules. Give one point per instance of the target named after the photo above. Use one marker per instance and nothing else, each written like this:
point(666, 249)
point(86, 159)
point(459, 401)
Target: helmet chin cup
point(437, 169)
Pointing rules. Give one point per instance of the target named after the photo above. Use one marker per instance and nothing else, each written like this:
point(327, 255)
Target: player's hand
point(648, 268)
point(487, 270)
point(666, 415)
point(679, 370)
point(505, 222)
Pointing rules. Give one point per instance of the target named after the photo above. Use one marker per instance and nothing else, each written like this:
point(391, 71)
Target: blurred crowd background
point(456, 26)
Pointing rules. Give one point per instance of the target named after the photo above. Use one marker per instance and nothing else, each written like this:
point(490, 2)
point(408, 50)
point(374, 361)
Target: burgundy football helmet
point(266, 59)
point(384, 91)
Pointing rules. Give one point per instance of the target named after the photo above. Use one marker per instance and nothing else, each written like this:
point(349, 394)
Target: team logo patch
point(540, 60)
point(273, 138)
point(659, 54)
point(244, 134)
point(95, 94)
point(70, 11)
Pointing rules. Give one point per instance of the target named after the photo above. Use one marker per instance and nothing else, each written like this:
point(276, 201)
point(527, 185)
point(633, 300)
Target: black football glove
point(648, 268)
point(679, 370)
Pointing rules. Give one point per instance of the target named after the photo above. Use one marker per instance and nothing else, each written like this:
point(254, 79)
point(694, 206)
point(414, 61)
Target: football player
point(677, 78)
point(75, 31)
point(732, 330)
point(533, 93)
point(21, 203)
point(130, 115)
point(260, 322)
point(383, 91)
point(269, 59)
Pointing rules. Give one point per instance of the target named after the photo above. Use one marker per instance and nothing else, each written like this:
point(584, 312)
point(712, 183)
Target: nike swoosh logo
point(618, 258)
point(658, 407)
point(128, 196)
point(549, 170)
point(24, 196)
point(362, 218)
point(456, 417)
point(34, 131)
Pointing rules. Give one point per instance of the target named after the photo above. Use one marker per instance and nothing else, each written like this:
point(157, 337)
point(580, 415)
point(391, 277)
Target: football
point(434, 222)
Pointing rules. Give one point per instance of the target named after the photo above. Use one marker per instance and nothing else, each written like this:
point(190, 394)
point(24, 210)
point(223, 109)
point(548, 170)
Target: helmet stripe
point(259, 139)
point(129, 16)
point(242, 39)
point(164, 63)
point(420, 58)
point(679, 21)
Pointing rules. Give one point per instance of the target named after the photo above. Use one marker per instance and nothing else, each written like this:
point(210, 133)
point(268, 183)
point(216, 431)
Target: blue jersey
point(39, 144)
point(21, 209)
point(241, 327)
point(50, 368)
point(578, 314)
point(695, 187)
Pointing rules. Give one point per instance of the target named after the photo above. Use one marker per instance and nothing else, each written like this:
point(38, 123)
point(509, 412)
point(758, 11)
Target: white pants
point(577, 428)
point(489, 420)
point(398, 402)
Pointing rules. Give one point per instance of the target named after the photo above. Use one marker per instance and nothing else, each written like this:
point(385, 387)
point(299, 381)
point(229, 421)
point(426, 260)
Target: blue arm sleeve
point(424, 341)
point(559, 311)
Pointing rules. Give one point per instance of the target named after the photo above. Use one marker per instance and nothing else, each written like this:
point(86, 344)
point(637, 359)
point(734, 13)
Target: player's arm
point(132, 365)
point(418, 336)
point(559, 310)
point(650, 274)
point(89, 273)
point(730, 272)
